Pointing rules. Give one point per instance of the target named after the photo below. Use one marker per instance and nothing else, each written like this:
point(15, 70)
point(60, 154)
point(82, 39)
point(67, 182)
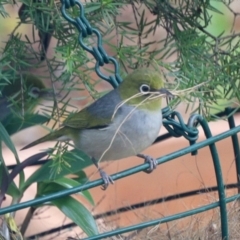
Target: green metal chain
point(176, 127)
point(98, 52)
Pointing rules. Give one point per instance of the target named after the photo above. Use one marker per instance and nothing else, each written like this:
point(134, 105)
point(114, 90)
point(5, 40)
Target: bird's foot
point(106, 179)
point(148, 159)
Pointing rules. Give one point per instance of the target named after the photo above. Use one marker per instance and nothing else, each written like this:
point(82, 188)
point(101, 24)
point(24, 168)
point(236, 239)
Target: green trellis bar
point(163, 220)
point(219, 177)
point(235, 143)
point(137, 169)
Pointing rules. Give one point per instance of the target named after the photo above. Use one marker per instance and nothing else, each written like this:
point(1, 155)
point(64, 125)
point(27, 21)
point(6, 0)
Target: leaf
point(81, 179)
point(81, 176)
point(4, 136)
point(14, 124)
point(69, 206)
point(12, 188)
point(76, 161)
point(78, 213)
point(70, 183)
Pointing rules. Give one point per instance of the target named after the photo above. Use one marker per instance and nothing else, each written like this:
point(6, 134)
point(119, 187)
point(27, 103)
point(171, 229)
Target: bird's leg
point(148, 159)
point(105, 177)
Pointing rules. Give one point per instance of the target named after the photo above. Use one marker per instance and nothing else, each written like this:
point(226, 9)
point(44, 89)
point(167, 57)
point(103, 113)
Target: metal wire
point(137, 206)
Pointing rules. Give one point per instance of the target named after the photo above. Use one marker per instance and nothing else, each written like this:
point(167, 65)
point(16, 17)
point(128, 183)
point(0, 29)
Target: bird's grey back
point(105, 106)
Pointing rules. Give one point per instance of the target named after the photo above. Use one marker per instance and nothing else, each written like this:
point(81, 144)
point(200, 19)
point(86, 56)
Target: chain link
point(98, 52)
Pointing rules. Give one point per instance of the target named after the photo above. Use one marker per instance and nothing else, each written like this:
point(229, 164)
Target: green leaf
point(70, 183)
point(78, 213)
point(14, 124)
point(68, 205)
point(80, 176)
point(44, 188)
point(12, 188)
point(4, 136)
point(81, 179)
point(75, 159)
point(62, 184)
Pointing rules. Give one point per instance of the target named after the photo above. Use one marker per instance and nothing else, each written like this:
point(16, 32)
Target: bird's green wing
point(85, 120)
point(98, 115)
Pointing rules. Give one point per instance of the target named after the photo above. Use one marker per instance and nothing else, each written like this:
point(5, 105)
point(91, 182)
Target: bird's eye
point(34, 92)
point(144, 88)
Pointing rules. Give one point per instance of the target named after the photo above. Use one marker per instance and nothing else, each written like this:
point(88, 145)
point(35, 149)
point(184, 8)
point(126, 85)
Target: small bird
point(122, 123)
point(21, 95)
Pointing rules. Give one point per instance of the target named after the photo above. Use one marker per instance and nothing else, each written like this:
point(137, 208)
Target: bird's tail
point(59, 135)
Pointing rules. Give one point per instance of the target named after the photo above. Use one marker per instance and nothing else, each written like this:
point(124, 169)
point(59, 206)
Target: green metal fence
point(176, 127)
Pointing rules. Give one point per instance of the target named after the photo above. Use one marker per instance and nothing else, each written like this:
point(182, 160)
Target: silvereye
point(120, 124)
point(18, 95)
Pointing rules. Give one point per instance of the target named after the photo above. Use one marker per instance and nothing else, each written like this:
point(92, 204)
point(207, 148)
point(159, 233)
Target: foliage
point(189, 51)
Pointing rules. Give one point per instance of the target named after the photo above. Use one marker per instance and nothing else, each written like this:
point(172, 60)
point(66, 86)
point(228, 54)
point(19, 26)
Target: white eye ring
point(144, 88)
point(34, 92)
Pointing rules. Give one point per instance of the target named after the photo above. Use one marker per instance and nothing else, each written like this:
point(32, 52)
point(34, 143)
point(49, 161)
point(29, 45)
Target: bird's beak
point(165, 92)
